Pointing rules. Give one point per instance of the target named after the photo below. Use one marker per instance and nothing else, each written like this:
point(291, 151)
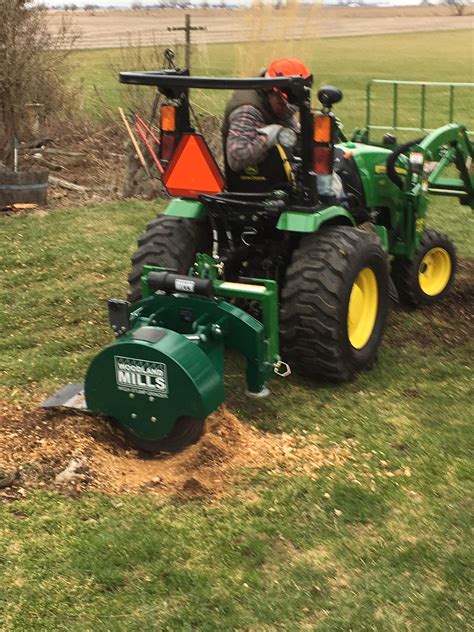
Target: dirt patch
point(76, 453)
point(447, 323)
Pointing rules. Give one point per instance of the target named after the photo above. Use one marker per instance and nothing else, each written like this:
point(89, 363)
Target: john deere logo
point(380, 169)
point(251, 170)
point(141, 376)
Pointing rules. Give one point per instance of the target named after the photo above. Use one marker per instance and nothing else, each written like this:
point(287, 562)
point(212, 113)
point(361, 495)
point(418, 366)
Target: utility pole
point(187, 28)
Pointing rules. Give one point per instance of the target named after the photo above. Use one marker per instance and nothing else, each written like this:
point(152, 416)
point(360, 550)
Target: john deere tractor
point(283, 271)
point(334, 279)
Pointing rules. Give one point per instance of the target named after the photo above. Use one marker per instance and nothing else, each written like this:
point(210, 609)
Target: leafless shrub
point(459, 6)
point(32, 69)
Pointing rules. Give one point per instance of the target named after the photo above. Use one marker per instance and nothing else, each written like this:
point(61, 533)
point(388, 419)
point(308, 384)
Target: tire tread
point(312, 301)
point(170, 242)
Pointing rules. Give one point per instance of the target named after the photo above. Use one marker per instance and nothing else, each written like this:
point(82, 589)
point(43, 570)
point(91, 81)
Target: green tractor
point(286, 273)
point(334, 279)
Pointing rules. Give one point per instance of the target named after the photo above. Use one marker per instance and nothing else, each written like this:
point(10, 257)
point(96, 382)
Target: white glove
point(271, 132)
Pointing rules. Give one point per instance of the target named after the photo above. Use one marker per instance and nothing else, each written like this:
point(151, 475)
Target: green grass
point(345, 62)
point(378, 543)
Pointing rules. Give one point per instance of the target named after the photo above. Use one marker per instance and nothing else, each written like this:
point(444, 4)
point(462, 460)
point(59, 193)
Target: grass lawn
point(380, 541)
point(345, 62)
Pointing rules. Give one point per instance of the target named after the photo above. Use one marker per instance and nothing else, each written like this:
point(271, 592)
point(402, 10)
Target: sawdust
point(42, 444)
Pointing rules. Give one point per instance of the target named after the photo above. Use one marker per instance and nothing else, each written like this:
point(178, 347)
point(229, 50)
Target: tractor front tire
point(168, 242)
point(334, 303)
point(429, 276)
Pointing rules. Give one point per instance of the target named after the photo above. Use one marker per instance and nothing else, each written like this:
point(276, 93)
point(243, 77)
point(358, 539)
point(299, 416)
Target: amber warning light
point(322, 148)
point(192, 170)
point(322, 129)
point(168, 118)
point(168, 131)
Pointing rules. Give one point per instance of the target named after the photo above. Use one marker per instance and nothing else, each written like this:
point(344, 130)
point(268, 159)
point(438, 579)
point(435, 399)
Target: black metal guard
point(170, 79)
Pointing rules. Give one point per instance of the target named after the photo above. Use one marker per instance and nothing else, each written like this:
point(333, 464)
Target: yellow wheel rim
point(363, 305)
point(434, 271)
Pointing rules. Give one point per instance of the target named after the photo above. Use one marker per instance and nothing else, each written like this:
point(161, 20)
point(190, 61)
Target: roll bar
point(175, 83)
point(167, 79)
point(170, 79)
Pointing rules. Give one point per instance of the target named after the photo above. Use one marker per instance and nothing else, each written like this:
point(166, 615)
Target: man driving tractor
point(300, 250)
point(255, 161)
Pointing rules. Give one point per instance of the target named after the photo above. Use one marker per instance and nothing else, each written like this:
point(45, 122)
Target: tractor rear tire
point(429, 276)
point(168, 242)
point(334, 303)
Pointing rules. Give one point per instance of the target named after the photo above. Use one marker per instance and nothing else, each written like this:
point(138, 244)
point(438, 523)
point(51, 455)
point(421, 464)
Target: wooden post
point(35, 115)
point(187, 28)
point(187, 50)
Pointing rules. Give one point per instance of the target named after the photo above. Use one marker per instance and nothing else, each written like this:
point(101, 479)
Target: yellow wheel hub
point(363, 305)
point(434, 271)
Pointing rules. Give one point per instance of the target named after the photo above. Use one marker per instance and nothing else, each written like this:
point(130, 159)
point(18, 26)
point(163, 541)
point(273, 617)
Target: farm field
point(321, 508)
point(111, 29)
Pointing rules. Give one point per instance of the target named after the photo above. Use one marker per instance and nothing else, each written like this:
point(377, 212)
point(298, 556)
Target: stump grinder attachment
point(163, 375)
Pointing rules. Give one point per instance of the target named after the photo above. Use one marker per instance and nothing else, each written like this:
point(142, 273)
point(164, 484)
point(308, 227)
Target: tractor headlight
point(287, 137)
point(416, 161)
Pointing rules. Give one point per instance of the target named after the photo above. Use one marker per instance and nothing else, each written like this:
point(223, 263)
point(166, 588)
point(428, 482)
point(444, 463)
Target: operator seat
point(346, 169)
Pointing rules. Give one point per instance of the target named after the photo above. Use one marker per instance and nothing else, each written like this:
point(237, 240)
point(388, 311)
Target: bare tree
point(459, 5)
point(31, 67)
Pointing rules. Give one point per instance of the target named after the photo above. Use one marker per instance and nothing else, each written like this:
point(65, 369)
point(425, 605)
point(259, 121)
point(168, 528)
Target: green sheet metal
point(185, 208)
point(308, 222)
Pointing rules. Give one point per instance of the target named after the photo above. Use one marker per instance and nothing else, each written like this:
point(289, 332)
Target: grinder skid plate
point(71, 396)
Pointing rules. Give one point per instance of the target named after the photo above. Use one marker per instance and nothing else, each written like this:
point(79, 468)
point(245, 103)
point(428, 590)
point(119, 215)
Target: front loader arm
point(450, 145)
point(428, 160)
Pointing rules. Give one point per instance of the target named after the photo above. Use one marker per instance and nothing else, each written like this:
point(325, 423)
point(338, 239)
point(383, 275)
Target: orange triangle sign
point(192, 169)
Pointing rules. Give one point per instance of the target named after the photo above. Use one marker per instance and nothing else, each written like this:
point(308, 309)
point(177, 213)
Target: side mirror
point(328, 95)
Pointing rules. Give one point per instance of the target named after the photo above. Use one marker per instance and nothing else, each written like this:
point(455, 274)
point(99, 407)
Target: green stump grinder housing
point(164, 374)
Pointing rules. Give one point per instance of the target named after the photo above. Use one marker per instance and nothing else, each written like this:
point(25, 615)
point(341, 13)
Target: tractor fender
point(191, 209)
point(299, 222)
